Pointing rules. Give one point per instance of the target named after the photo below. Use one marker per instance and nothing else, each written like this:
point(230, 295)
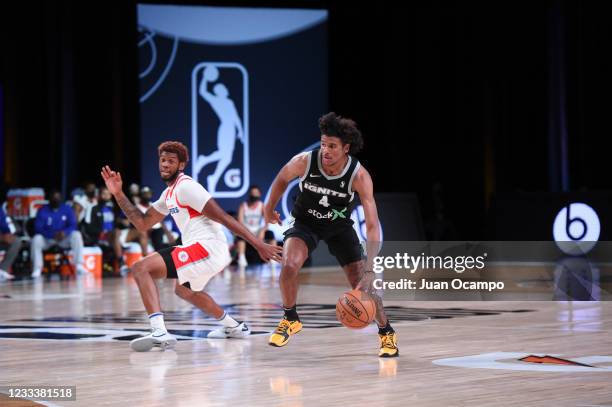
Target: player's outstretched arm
point(203, 90)
point(266, 252)
point(296, 167)
point(141, 221)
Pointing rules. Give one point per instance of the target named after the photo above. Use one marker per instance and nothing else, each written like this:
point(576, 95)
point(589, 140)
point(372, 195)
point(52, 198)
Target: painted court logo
point(530, 362)
point(316, 316)
point(220, 128)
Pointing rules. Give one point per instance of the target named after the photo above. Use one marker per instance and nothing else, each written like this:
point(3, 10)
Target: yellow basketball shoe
point(388, 345)
point(283, 331)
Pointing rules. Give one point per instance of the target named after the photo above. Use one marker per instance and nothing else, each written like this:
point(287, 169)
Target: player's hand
point(112, 180)
point(271, 216)
point(268, 252)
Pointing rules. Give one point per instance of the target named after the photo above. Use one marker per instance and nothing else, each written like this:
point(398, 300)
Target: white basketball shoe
point(157, 338)
point(5, 275)
point(241, 331)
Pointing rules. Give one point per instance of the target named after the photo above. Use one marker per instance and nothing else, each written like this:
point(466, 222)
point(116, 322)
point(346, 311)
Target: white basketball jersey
point(253, 217)
point(185, 200)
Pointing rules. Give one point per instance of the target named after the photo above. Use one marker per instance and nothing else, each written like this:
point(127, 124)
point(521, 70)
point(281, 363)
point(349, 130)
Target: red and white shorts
point(196, 263)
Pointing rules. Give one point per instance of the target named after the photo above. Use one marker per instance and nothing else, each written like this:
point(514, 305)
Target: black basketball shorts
point(342, 240)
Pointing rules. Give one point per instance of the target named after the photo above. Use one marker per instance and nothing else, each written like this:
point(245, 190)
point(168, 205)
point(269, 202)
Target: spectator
point(56, 224)
point(125, 231)
point(8, 238)
point(100, 230)
point(134, 193)
point(100, 222)
point(84, 204)
point(250, 214)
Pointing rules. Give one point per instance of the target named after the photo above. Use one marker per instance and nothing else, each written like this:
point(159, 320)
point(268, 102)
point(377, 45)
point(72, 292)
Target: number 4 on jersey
point(323, 201)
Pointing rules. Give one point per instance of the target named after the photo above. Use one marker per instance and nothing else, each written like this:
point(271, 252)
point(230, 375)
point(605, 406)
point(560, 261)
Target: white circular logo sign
point(183, 256)
point(576, 229)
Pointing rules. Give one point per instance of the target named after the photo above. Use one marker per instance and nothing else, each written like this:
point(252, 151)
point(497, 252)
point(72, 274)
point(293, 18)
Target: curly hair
point(175, 147)
point(345, 129)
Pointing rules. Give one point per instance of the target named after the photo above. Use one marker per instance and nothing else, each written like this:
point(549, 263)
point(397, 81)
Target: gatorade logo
point(576, 229)
point(90, 263)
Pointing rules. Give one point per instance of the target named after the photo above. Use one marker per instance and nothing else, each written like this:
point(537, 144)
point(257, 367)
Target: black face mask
point(90, 194)
point(145, 200)
point(55, 203)
point(254, 198)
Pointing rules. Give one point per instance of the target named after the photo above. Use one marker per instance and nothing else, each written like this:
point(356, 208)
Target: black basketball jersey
point(324, 200)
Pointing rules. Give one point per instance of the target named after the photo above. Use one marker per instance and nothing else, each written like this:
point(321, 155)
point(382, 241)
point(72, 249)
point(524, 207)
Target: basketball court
point(452, 149)
point(76, 333)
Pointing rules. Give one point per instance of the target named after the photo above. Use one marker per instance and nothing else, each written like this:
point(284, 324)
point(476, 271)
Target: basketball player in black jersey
point(330, 176)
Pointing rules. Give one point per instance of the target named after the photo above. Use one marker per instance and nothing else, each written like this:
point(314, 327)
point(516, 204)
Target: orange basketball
point(355, 309)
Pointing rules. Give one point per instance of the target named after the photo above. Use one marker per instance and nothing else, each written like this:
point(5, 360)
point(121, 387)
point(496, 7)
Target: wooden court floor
point(76, 333)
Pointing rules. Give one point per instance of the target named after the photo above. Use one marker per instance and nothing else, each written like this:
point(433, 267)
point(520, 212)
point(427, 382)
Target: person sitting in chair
point(56, 224)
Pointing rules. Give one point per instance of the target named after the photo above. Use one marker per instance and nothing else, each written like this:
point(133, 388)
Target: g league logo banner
point(211, 78)
point(220, 128)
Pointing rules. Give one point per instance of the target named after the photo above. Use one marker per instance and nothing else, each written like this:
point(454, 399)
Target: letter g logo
point(576, 229)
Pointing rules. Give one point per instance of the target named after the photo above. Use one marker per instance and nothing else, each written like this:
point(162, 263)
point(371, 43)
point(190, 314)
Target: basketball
point(211, 73)
point(355, 309)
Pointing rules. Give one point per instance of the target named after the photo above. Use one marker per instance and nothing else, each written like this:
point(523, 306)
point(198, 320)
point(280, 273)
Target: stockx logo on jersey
point(220, 128)
point(339, 214)
point(333, 214)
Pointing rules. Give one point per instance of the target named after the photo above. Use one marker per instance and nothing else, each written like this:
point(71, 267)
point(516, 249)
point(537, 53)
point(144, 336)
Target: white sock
point(228, 321)
point(157, 321)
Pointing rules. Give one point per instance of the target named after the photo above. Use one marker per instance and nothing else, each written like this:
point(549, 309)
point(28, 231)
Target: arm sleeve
point(160, 204)
point(192, 194)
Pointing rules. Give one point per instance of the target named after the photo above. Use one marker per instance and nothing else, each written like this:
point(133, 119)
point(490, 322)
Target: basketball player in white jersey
point(204, 251)
point(250, 214)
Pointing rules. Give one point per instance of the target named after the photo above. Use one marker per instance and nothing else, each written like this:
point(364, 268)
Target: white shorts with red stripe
point(196, 263)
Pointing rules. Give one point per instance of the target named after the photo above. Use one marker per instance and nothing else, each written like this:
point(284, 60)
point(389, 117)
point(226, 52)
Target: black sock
point(387, 329)
point(291, 313)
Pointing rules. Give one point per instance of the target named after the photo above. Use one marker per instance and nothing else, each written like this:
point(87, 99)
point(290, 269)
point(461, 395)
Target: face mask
point(90, 194)
point(145, 200)
point(254, 198)
point(55, 203)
